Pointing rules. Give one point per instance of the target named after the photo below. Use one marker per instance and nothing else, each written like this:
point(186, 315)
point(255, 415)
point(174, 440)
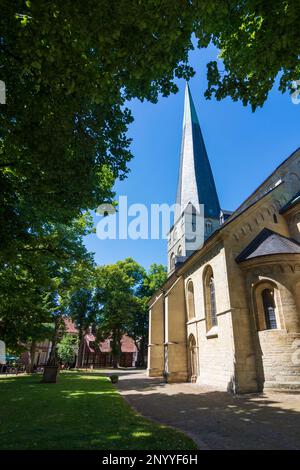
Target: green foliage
point(122, 293)
point(154, 279)
point(36, 285)
point(66, 348)
point(69, 71)
point(116, 285)
point(81, 308)
point(64, 126)
point(63, 130)
point(258, 41)
point(138, 324)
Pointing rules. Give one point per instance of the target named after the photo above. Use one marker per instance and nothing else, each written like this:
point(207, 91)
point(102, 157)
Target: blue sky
point(243, 148)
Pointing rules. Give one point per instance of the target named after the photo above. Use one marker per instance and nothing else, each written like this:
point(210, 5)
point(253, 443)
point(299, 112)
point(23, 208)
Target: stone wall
point(280, 356)
point(214, 348)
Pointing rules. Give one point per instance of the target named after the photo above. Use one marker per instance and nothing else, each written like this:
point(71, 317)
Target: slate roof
point(268, 243)
point(195, 182)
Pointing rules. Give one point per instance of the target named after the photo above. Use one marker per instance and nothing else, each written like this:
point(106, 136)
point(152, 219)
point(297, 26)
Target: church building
point(229, 313)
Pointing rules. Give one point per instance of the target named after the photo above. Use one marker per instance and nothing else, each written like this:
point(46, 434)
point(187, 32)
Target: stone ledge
point(282, 385)
point(176, 377)
point(213, 332)
point(155, 373)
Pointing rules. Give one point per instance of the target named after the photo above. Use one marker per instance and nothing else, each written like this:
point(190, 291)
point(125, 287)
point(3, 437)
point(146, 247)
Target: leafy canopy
point(69, 70)
point(67, 347)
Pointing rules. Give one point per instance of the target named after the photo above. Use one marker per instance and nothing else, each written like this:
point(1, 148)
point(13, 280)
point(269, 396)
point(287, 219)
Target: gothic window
point(210, 299)
point(269, 308)
point(190, 300)
point(179, 251)
point(267, 300)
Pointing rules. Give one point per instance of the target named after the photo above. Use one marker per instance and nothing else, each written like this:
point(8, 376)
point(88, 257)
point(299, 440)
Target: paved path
point(215, 419)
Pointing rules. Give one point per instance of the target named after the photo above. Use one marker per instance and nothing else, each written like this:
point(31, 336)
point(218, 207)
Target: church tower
point(197, 212)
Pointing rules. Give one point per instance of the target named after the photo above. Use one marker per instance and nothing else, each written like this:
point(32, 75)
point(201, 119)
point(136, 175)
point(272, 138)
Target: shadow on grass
point(81, 411)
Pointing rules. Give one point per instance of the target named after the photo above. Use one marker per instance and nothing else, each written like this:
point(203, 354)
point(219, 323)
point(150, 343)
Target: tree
point(64, 125)
point(258, 40)
point(65, 122)
point(66, 348)
point(138, 325)
point(82, 310)
point(115, 294)
point(36, 286)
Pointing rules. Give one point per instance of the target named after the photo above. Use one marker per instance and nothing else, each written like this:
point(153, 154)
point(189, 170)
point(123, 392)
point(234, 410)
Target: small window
point(208, 227)
point(210, 299)
point(275, 219)
point(269, 308)
point(190, 300)
point(172, 261)
point(194, 221)
point(179, 251)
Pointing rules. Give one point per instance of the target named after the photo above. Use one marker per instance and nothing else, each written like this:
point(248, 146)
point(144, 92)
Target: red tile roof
point(70, 326)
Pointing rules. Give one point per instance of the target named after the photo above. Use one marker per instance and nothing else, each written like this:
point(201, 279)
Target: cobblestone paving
point(216, 419)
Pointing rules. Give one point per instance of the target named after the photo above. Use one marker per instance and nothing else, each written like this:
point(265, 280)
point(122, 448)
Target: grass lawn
point(81, 411)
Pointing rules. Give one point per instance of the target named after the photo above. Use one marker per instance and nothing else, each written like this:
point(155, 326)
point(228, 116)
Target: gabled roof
point(292, 202)
point(195, 183)
point(268, 243)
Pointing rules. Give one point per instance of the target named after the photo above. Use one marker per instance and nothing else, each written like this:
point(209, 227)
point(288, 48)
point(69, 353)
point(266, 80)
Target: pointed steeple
point(195, 183)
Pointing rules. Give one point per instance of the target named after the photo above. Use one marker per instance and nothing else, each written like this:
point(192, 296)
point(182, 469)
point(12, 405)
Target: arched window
point(210, 298)
point(190, 300)
point(179, 251)
point(172, 261)
point(269, 308)
point(268, 313)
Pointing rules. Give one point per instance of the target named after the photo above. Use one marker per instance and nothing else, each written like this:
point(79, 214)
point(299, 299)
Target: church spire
point(195, 183)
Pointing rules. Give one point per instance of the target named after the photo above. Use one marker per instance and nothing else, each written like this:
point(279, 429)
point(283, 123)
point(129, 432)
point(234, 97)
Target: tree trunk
point(116, 349)
point(79, 357)
point(143, 349)
point(140, 345)
point(51, 369)
point(31, 357)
